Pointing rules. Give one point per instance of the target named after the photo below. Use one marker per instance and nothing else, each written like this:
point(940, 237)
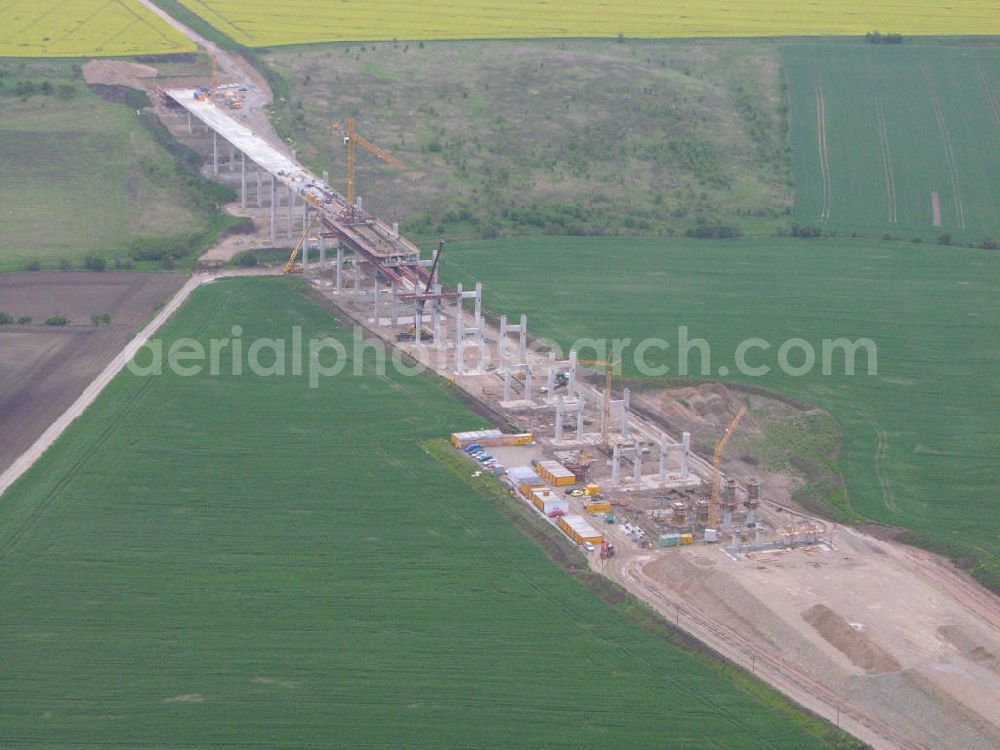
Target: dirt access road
point(235, 69)
point(39, 378)
point(44, 368)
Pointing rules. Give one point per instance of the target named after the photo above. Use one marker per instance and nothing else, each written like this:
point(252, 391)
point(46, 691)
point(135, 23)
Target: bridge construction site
point(377, 276)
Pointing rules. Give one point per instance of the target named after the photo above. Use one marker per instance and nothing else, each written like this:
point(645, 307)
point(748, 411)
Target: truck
point(607, 550)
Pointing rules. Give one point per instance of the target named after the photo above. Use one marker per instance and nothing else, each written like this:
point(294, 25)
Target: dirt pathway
point(27, 459)
point(232, 65)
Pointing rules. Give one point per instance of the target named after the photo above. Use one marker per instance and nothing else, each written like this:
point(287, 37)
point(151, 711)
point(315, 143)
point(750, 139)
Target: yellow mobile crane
point(290, 265)
point(352, 140)
point(606, 417)
point(713, 507)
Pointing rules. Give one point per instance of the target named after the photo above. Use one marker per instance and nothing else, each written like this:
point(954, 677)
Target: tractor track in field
point(949, 151)
point(824, 156)
point(890, 181)
point(885, 151)
point(881, 447)
point(989, 93)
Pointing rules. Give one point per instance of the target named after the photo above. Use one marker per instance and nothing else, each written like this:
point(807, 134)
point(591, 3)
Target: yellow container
point(592, 489)
point(595, 508)
point(525, 438)
point(687, 539)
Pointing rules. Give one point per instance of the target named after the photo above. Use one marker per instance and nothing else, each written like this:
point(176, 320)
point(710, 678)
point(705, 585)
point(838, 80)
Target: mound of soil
point(850, 642)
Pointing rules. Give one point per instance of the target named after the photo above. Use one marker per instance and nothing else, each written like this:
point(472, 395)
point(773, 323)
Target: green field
point(82, 28)
point(920, 437)
point(245, 562)
point(81, 174)
point(898, 124)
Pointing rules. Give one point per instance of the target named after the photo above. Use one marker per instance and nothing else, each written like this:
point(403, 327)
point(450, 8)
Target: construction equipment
point(430, 278)
point(290, 265)
point(609, 368)
point(352, 140)
point(713, 508)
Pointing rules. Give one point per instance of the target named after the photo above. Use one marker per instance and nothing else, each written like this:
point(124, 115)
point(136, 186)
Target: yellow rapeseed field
point(277, 22)
point(84, 28)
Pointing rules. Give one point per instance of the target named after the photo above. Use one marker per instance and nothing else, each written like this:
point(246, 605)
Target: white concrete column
point(616, 461)
point(274, 210)
point(190, 131)
point(527, 383)
point(436, 317)
point(559, 419)
point(550, 383)
point(232, 158)
point(637, 477)
point(377, 317)
point(664, 453)
point(340, 267)
point(326, 177)
point(522, 349)
point(479, 304)
point(305, 252)
point(685, 454)
point(625, 413)
point(322, 248)
point(506, 383)
point(260, 185)
point(356, 265)
point(243, 180)
point(418, 324)
point(571, 388)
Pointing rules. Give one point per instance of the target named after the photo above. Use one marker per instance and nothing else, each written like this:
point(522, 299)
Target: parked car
point(557, 513)
point(473, 448)
point(588, 546)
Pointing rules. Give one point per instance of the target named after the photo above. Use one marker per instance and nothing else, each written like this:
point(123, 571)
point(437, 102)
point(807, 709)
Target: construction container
point(548, 501)
point(610, 518)
point(687, 539)
point(711, 535)
point(485, 438)
point(577, 529)
point(592, 489)
point(521, 438)
point(670, 540)
point(525, 479)
point(556, 474)
point(594, 509)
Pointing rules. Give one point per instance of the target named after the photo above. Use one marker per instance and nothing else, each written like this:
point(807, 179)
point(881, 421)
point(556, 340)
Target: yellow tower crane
point(609, 368)
point(713, 507)
point(290, 265)
point(352, 140)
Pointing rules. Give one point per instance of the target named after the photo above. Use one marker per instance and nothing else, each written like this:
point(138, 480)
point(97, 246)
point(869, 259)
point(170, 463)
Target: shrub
point(990, 244)
point(57, 320)
point(247, 260)
point(33, 265)
point(24, 320)
point(944, 239)
point(714, 232)
point(65, 264)
point(808, 232)
point(5, 319)
point(95, 263)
